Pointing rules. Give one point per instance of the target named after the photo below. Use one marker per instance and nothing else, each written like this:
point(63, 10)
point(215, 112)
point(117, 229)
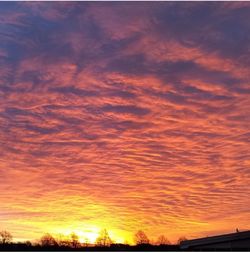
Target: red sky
point(124, 116)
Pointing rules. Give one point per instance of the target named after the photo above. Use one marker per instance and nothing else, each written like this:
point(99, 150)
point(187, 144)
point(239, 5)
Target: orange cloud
point(124, 116)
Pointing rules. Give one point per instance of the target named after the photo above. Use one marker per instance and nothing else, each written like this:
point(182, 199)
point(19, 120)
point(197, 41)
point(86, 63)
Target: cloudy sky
point(124, 116)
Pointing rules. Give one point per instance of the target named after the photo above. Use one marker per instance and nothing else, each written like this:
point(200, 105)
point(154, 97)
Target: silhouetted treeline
point(103, 243)
point(112, 247)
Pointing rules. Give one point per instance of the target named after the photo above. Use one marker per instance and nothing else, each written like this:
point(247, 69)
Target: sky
point(124, 116)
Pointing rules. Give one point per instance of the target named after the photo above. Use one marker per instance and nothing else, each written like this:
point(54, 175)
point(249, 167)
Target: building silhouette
point(233, 241)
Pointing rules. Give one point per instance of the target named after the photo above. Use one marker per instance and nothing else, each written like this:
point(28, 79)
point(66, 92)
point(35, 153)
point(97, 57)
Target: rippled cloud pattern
point(125, 116)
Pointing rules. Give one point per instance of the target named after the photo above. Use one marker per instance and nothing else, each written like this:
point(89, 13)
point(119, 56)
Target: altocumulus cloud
point(124, 115)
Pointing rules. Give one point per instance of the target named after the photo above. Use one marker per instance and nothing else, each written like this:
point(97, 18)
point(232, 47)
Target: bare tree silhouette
point(162, 240)
point(103, 239)
point(86, 242)
point(74, 240)
point(5, 237)
point(141, 238)
point(181, 239)
point(62, 240)
point(48, 240)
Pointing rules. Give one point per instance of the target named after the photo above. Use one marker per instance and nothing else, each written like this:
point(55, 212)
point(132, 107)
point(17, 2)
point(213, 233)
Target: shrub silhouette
point(28, 243)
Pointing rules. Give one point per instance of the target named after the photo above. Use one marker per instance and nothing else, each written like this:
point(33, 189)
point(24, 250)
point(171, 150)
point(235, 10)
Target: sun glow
point(90, 233)
point(87, 235)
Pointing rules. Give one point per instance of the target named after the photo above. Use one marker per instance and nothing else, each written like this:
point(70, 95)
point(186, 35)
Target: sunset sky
point(124, 116)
